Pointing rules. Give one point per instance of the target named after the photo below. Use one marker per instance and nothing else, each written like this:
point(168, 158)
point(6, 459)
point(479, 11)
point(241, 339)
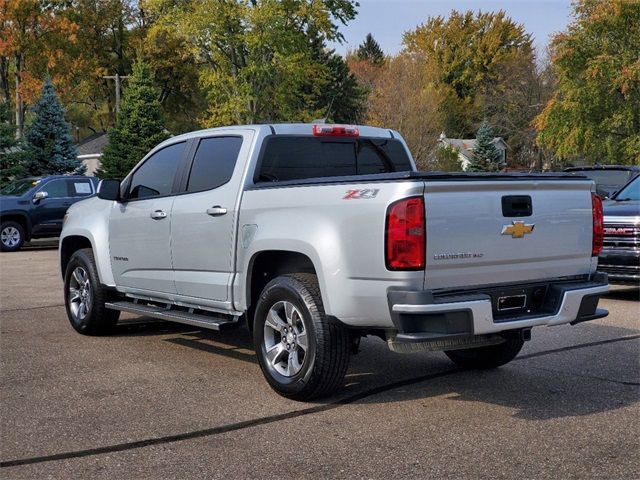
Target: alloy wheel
point(80, 293)
point(10, 236)
point(285, 339)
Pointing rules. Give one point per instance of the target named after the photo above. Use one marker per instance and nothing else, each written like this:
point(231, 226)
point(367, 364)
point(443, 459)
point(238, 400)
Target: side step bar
point(212, 322)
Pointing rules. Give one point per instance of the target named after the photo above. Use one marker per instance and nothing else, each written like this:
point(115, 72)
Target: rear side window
point(155, 176)
point(80, 188)
point(294, 158)
point(213, 163)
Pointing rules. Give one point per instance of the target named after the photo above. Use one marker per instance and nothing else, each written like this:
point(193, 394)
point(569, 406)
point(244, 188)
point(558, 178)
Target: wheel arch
point(68, 246)
point(21, 218)
point(266, 265)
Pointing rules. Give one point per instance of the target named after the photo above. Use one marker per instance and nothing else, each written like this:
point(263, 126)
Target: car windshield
point(630, 192)
point(19, 187)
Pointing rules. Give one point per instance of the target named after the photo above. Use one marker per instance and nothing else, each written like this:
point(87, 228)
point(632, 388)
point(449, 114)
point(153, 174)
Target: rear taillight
point(598, 225)
point(405, 235)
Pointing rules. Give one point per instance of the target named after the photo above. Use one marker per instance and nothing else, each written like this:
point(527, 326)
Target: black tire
point(7, 243)
point(98, 320)
point(324, 363)
point(485, 358)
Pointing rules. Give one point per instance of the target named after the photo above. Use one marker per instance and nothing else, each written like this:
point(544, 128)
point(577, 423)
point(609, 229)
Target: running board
point(212, 322)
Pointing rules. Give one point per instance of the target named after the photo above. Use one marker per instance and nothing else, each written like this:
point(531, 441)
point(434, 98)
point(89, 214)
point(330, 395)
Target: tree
point(49, 143)
point(343, 98)
point(34, 35)
point(404, 99)
point(446, 159)
point(370, 51)
point(486, 157)
point(595, 111)
point(106, 40)
point(258, 57)
point(11, 152)
point(139, 126)
point(465, 55)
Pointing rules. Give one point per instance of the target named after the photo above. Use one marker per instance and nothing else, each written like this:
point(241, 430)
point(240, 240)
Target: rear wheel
point(85, 297)
point(302, 353)
point(11, 236)
point(484, 358)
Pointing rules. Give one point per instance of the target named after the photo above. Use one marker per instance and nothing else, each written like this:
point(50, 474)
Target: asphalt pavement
point(160, 400)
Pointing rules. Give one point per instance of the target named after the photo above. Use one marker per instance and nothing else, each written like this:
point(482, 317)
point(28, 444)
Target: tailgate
point(502, 231)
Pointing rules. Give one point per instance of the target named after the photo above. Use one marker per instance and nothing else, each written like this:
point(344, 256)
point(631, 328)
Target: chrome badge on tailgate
point(517, 229)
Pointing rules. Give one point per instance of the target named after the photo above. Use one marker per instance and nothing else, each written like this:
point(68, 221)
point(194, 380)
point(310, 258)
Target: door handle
point(216, 211)
point(158, 214)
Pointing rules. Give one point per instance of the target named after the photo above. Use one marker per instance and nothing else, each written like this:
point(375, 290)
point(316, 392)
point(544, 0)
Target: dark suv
point(35, 207)
point(620, 257)
point(608, 178)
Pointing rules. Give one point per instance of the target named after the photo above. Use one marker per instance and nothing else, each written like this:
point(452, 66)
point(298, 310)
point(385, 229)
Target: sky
point(387, 20)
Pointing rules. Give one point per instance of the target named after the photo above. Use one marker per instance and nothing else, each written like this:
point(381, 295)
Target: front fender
point(90, 219)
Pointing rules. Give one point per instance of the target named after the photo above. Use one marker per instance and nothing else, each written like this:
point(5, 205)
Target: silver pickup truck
point(317, 235)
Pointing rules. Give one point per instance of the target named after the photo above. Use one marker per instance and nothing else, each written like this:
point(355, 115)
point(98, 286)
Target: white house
point(465, 148)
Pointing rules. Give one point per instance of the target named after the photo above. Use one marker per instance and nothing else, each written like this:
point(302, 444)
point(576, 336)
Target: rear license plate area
point(511, 302)
point(517, 302)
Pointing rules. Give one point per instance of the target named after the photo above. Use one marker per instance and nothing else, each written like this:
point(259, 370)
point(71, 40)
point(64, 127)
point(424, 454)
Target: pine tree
point(342, 99)
point(370, 50)
point(139, 126)
point(50, 147)
point(11, 152)
point(486, 157)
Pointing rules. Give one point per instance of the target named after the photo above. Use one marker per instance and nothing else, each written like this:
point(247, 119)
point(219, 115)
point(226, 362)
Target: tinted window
point(381, 156)
point(19, 187)
point(214, 162)
point(155, 176)
point(80, 188)
point(56, 189)
point(630, 192)
point(293, 158)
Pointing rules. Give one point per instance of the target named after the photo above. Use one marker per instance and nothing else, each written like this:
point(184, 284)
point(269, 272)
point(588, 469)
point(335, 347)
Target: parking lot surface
point(158, 400)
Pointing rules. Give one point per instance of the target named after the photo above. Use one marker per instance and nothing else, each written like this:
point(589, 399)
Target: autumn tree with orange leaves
point(33, 39)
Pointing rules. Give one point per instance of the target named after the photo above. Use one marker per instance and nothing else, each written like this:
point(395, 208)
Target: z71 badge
point(364, 194)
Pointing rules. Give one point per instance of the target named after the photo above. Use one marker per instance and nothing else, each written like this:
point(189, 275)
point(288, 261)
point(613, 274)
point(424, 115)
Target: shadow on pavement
point(525, 385)
point(624, 293)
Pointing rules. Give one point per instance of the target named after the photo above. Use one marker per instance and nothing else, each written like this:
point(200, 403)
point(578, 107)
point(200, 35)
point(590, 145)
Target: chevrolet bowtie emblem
point(517, 229)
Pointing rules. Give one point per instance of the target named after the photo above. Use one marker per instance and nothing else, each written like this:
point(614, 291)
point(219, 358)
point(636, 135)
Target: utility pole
point(118, 80)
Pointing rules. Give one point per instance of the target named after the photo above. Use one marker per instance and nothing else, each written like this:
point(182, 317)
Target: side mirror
point(109, 189)
point(40, 196)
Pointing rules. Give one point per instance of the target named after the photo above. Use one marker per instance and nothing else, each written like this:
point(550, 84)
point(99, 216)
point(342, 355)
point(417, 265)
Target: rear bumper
point(421, 316)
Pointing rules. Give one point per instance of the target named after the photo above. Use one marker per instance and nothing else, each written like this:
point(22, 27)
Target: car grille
point(619, 236)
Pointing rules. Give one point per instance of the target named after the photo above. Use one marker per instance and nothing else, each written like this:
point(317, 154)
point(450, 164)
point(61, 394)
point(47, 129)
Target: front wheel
point(484, 358)
point(302, 353)
point(85, 297)
point(11, 236)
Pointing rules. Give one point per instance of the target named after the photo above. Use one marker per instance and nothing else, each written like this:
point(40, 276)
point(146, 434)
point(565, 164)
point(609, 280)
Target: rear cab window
point(213, 163)
point(286, 158)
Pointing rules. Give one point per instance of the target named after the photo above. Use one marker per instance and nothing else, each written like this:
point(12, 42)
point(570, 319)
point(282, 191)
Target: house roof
point(93, 144)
